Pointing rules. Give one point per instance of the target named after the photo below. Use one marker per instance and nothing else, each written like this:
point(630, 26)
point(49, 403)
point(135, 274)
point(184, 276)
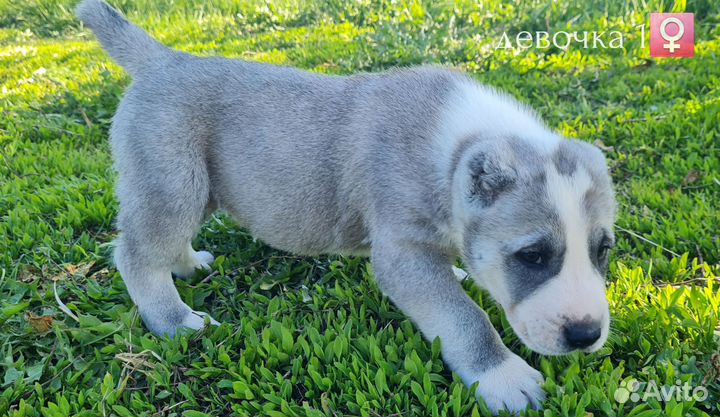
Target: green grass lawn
point(307, 336)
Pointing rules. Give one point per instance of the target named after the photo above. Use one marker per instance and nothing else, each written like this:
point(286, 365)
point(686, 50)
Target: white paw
point(205, 259)
point(196, 320)
point(193, 261)
point(513, 385)
point(459, 273)
point(170, 319)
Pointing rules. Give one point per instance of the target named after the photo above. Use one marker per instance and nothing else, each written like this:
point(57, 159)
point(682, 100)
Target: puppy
point(414, 168)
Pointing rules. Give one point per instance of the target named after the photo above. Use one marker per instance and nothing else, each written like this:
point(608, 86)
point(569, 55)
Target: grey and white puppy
point(414, 168)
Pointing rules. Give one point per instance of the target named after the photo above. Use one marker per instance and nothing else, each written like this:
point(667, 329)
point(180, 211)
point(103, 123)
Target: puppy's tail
point(127, 44)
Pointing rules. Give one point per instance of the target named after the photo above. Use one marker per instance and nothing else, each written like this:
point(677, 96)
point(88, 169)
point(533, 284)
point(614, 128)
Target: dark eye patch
point(600, 244)
point(531, 266)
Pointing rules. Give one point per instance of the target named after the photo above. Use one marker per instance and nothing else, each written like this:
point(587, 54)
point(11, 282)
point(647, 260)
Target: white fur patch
point(478, 109)
point(566, 194)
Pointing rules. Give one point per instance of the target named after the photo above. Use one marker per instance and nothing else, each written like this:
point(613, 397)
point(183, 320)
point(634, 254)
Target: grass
point(315, 337)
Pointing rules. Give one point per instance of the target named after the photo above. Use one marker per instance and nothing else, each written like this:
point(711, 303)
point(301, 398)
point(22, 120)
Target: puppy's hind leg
point(159, 214)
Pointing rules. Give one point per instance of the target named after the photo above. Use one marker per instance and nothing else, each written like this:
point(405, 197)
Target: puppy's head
point(536, 229)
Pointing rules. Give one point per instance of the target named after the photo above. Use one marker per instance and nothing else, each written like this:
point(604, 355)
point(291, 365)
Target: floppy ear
point(489, 178)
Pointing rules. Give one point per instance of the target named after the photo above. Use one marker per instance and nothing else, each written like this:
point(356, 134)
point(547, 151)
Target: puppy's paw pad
point(513, 386)
point(196, 320)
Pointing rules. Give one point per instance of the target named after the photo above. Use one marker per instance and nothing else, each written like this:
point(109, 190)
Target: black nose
point(582, 334)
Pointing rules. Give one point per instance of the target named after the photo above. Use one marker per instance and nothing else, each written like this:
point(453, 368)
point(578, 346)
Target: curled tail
point(127, 44)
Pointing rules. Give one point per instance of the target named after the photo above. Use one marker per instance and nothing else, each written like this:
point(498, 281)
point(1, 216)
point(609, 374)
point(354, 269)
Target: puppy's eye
point(531, 257)
point(603, 251)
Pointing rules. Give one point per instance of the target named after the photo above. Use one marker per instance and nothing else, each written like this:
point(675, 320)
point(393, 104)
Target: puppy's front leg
point(420, 281)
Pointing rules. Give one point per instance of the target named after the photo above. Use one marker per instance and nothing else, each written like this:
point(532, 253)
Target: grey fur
point(125, 42)
point(317, 164)
point(563, 160)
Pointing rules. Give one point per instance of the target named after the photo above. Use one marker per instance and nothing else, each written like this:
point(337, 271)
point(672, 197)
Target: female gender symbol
point(671, 45)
